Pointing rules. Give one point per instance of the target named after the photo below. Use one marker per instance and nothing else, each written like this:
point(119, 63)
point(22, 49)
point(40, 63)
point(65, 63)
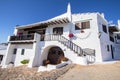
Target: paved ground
point(93, 72)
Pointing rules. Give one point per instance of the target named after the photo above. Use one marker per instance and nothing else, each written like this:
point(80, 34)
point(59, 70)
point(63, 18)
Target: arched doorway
point(55, 56)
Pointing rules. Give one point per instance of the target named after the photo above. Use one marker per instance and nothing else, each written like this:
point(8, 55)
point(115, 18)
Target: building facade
point(114, 31)
point(80, 38)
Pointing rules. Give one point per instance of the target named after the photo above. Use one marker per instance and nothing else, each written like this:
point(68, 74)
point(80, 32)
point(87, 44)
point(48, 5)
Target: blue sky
point(21, 12)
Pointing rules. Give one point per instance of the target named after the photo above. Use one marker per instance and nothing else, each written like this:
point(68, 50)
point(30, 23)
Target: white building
point(114, 31)
point(75, 36)
point(3, 48)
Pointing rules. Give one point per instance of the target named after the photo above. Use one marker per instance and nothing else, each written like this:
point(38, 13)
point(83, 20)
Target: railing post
point(50, 37)
point(76, 49)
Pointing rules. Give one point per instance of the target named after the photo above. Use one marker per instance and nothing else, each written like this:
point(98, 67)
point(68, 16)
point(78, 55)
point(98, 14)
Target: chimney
point(69, 11)
point(102, 14)
point(119, 23)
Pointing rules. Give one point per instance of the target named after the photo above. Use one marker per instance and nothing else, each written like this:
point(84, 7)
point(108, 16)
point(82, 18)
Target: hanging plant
point(70, 35)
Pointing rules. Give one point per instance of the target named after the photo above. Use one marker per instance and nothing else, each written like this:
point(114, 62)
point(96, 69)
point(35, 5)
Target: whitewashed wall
point(8, 55)
point(104, 39)
point(116, 46)
point(116, 51)
point(88, 39)
point(27, 54)
point(66, 29)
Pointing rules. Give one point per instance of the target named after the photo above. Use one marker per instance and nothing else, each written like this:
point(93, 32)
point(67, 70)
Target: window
point(104, 28)
point(58, 30)
point(15, 51)
point(82, 25)
point(85, 25)
point(1, 58)
point(111, 39)
point(108, 49)
point(118, 36)
point(77, 26)
point(22, 52)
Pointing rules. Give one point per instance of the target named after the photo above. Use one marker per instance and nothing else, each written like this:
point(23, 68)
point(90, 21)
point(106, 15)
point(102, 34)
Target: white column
point(36, 51)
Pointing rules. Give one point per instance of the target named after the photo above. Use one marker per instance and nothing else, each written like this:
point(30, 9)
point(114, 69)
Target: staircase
point(69, 44)
point(83, 53)
point(72, 46)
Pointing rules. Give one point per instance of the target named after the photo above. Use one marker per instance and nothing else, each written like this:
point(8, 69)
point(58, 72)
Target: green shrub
point(25, 61)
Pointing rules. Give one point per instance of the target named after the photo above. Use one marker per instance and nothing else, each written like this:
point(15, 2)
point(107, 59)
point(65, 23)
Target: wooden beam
point(53, 22)
point(64, 20)
point(67, 20)
point(61, 21)
point(57, 22)
point(48, 23)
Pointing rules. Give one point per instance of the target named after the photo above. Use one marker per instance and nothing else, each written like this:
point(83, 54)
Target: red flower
point(71, 35)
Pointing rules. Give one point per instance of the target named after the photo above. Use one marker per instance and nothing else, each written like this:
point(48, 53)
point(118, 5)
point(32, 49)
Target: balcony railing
point(22, 37)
